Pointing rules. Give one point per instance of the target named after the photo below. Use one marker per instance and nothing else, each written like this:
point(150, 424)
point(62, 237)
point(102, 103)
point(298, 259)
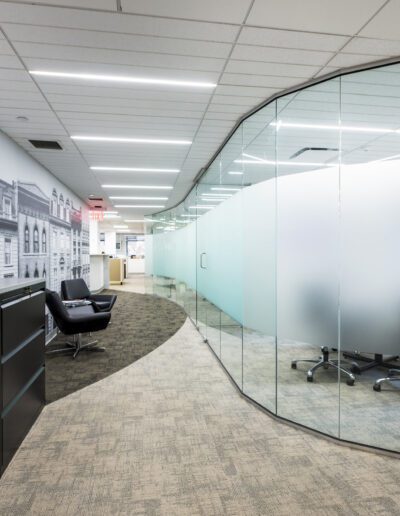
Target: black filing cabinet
point(22, 371)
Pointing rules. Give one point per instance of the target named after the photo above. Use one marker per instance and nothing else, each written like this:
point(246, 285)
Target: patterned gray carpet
point(140, 323)
point(170, 436)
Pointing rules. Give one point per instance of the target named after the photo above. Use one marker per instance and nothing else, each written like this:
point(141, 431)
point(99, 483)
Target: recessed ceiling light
point(139, 187)
point(139, 206)
point(112, 139)
point(130, 198)
point(134, 169)
point(123, 78)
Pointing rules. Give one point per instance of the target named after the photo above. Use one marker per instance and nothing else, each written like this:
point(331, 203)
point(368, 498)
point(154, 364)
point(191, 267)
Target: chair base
point(377, 361)
point(393, 376)
point(325, 362)
point(76, 346)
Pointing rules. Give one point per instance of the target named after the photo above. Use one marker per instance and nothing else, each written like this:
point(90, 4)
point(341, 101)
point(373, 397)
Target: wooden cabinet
point(22, 367)
point(116, 267)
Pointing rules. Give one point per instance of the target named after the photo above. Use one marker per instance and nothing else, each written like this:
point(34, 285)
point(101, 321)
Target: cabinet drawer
point(20, 367)
point(20, 319)
point(19, 419)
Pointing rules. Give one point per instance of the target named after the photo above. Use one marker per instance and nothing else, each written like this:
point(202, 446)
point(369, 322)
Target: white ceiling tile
point(251, 67)
point(280, 55)
point(95, 91)
point(271, 81)
point(338, 17)
point(87, 4)
point(376, 47)
point(115, 41)
point(244, 91)
point(95, 55)
point(291, 39)
point(10, 61)
point(385, 25)
point(109, 22)
point(343, 60)
point(225, 11)
point(14, 75)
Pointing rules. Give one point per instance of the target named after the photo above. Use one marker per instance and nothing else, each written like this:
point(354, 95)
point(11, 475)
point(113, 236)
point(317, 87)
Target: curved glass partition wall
point(288, 250)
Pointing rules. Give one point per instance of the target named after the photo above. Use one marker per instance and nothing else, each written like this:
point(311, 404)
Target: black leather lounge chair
point(77, 289)
point(75, 321)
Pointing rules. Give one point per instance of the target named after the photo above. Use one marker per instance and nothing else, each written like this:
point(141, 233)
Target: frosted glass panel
point(259, 249)
point(370, 286)
point(286, 254)
point(307, 257)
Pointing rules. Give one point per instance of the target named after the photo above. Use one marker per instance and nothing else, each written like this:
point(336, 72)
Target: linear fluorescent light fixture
point(112, 216)
point(130, 198)
point(234, 173)
point(139, 187)
point(136, 169)
point(139, 206)
point(327, 127)
point(121, 226)
point(286, 163)
point(110, 212)
point(123, 79)
point(112, 139)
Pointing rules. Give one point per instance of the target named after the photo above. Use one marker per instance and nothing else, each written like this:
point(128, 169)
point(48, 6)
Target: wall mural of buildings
point(41, 236)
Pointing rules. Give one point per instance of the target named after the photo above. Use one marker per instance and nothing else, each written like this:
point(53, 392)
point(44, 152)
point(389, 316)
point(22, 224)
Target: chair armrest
point(84, 323)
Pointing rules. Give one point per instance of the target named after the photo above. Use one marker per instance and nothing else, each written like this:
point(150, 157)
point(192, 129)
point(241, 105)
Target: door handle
point(201, 261)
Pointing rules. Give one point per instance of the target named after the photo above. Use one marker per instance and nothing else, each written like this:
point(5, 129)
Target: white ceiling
point(250, 48)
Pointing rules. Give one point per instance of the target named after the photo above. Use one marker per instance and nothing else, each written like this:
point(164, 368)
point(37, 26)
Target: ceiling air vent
point(46, 144)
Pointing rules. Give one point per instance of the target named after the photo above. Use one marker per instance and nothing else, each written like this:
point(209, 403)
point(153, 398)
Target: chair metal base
point(325, 362)
point(393, 376)
point(377, 361)
point(76, 346)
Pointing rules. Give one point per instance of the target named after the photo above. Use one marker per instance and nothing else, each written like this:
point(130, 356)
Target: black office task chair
point(393, 376)
point(75, 321)
point(77, 289)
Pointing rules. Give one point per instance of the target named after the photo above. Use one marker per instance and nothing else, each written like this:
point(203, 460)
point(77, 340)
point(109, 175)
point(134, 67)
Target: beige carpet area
point(169, 435)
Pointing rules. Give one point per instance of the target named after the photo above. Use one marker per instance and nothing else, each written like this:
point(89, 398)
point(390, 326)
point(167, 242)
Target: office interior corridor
point(169, 435)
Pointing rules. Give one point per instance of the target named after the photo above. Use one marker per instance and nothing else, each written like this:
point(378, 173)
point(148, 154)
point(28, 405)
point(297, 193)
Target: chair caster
point(310, 378)
point(294, 365)
point(350, 382)
point(355, 368)
point(377, 387)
